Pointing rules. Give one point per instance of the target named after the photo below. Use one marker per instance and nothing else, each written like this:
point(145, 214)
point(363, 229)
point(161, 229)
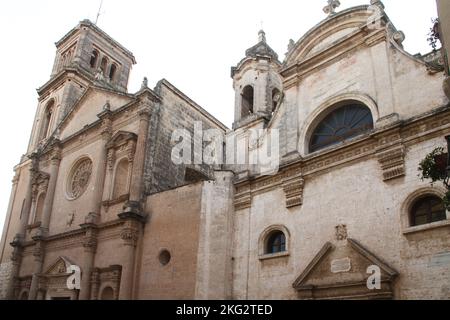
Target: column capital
point(145, 111)
point(130, 234)
point(56, 153)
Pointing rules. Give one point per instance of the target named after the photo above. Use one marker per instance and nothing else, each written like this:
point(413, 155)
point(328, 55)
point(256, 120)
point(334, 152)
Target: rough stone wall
point(5, 275)
point(175, 112)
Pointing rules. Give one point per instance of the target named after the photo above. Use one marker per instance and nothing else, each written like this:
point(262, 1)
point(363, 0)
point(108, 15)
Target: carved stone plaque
point(341, 265)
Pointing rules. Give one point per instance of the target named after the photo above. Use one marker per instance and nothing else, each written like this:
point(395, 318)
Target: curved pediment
point(329, 32)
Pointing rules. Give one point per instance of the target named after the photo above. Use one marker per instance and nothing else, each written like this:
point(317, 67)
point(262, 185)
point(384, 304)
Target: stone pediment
point(341, 272)
point(328, 33)
point(88, 107)
point(120, 138)
point(59, 267)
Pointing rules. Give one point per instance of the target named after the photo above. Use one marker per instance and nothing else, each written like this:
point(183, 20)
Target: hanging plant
point(434, 166)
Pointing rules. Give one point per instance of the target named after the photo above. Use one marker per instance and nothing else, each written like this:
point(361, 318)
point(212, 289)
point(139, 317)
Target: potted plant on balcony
point(435, 167)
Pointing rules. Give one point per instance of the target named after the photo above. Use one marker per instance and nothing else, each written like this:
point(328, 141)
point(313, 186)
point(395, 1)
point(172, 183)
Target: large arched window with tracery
point(348, 120)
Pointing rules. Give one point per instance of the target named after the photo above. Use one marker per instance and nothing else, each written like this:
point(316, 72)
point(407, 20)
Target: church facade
point(350, 114)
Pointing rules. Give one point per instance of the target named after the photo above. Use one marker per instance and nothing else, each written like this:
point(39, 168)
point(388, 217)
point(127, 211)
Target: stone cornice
point(330, 54)
point(387, 145)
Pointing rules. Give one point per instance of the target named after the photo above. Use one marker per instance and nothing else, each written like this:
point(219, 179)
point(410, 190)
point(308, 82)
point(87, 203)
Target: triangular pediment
point(341, 272)
point(86, 110)
point(120, 138)
point(59, 267)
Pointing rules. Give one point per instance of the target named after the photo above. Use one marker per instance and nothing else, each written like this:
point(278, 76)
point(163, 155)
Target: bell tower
point(85, 56)
point(257, 84)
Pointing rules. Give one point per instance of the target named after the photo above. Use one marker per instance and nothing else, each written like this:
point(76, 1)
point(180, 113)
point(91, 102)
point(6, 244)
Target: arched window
point(112, 72)
point(276, 243)
point(46, 120)
point(104, 65)
point(107, 294)
point(247, 101)
point(427, 210)
point(39, 208)
point(121, 179)
point(349, 120)
point(275, 98)
point(94, 59)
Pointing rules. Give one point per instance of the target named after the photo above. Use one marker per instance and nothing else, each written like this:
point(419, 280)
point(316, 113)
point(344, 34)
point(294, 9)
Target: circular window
point(164, 257)
point(79, 178)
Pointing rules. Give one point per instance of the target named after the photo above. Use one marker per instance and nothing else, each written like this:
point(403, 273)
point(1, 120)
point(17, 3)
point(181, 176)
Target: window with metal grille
point(428, 210)
point(346, 122)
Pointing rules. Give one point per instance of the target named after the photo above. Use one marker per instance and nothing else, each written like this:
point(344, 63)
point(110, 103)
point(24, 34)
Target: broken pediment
point(59, 267)
point(342, 271)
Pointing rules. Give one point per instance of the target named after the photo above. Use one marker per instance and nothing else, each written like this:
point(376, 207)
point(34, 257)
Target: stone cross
point(330, 8)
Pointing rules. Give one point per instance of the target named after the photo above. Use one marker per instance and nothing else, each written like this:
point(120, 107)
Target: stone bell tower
point(85, 56)
point(257, 84)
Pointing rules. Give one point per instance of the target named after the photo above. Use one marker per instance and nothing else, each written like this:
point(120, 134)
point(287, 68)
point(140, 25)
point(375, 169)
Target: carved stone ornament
point(341, 232)
point(79, 179)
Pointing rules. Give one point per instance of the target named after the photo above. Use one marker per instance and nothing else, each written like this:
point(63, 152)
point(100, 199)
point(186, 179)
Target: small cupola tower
point(257, 84)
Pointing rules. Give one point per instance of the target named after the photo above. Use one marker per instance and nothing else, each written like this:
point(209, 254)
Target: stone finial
point(144, 83)
point(261, 36)
point(341, 232)
point(330, 8)
point(291, 45)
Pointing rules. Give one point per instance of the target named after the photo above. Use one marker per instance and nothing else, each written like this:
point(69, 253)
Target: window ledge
point(426, 227)
point(274, 255)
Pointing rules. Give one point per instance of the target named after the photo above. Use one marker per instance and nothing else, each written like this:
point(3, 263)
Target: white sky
point(191, 43)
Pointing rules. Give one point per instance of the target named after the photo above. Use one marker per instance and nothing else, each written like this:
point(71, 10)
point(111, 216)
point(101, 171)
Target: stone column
point(90, 247)
point(129, 235)
point(100, 170)
point(133, 216)
point(16, 257)
point(137, 176)
point(28, 198)
point(90, 227)
point(38, 254)
point(12, 199)
point(55, 160)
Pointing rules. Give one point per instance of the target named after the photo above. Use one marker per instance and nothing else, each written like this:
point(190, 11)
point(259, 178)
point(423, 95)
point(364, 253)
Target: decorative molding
point(105, 277)
point(243, 198)
point(392, 162)
point(130, 233)
point(391, 155)
point(293, 188)
point(341, 232)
